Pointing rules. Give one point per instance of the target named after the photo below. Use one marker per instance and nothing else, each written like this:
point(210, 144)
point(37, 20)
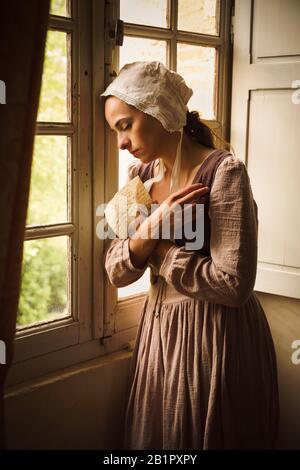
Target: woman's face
point(136, 131)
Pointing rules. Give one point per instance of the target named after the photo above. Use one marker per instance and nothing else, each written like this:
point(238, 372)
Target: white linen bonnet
point(162, 93)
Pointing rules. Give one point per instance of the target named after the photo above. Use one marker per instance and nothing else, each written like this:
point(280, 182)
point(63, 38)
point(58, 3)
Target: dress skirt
point(203, 376)
point(203, 371)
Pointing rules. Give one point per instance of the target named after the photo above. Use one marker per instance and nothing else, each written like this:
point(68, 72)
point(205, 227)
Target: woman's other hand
point(178, 210)
point(150, 230)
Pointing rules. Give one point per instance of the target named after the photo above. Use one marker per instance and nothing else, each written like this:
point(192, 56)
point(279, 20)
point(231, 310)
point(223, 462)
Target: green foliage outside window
point(44, 280)
point(44, 283)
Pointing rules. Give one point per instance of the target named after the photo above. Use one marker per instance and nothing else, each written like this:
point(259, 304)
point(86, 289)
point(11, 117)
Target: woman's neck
point(192, 154)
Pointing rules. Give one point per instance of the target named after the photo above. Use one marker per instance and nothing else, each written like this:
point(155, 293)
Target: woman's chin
point(146, 158)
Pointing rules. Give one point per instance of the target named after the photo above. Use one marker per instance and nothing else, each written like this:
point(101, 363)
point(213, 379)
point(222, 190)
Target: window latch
point(116, 33)
point(105, 340)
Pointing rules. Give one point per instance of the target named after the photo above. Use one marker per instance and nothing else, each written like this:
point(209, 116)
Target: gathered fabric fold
point(160, 295)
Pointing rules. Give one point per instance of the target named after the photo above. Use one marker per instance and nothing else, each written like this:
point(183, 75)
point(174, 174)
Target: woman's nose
point(123, 143)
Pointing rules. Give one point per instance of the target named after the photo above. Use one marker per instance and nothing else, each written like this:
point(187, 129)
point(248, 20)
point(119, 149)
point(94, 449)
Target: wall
point(84, 407)
point(283, 314)
point(81, 408)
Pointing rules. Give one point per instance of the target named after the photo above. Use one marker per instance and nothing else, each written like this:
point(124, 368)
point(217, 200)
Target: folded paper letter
point(122, 209)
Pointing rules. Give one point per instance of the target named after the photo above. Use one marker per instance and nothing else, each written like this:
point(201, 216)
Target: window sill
point(96, 363)
point(37, 367)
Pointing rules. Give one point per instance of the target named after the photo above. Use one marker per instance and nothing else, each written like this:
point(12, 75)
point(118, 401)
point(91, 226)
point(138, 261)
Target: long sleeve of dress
point(118, 265)
point(227, 276)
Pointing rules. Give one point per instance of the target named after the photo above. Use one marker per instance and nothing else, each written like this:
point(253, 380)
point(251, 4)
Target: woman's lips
point(136, 153)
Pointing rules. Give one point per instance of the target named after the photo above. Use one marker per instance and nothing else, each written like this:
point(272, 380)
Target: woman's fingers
point(193, 195)
point(186, 190)
point(168, 207)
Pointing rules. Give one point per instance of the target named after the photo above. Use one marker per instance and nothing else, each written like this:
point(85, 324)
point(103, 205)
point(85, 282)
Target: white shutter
point(265, 127)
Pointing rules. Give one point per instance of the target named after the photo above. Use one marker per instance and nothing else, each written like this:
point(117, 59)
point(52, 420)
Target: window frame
point(123, 314)
point(50, 346)
point(104, 325)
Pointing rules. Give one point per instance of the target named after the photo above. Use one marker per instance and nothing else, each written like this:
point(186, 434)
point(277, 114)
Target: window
point(55, 314)
point(68, 310)
point(49, 247)
point(194, 39)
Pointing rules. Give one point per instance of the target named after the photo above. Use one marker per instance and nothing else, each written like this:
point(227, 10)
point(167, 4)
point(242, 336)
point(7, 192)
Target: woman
point(204, 367)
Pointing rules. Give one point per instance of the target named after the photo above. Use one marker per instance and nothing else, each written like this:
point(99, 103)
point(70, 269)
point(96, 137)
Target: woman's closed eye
point(126, 128)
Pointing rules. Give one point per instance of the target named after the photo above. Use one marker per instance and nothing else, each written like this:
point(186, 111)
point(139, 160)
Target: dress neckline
point(199, 169)
point(202, 164)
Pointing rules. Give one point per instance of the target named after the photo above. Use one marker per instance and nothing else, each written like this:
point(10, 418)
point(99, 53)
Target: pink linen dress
point(203, 371)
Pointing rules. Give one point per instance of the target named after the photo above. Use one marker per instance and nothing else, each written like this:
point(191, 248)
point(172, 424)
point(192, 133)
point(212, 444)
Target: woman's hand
point(146, 243)
point(171, 215)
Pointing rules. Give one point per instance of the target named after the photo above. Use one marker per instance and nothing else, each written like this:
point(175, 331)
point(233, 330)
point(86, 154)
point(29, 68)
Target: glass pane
point(198, 66)
point(60, 7)
point(142, 284)
point(137, 287)
point(146, 12)
point(134, 49)
point(199, 17)
point(53, 104)
point(49, 184)
point(44, 288)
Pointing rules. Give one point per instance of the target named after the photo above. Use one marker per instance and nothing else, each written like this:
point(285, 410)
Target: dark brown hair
point(202, 133)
